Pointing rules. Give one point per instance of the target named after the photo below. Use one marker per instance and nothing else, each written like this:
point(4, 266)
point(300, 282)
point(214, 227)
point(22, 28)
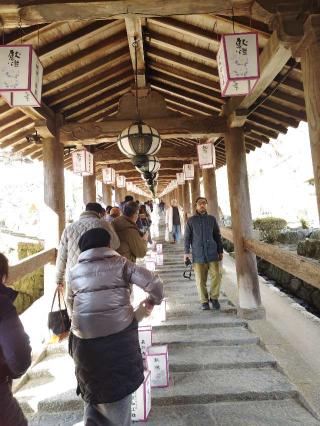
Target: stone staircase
point(219, 374)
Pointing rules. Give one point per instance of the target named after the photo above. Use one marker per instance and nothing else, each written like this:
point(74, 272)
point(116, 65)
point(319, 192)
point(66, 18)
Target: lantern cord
point(3, 34)
point(135, 45)
point(20, 29)
point(233, 21)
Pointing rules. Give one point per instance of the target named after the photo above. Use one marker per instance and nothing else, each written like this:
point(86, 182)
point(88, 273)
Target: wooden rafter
point(135, 41)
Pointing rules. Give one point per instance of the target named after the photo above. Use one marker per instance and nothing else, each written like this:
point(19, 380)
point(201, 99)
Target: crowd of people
point(96, 268)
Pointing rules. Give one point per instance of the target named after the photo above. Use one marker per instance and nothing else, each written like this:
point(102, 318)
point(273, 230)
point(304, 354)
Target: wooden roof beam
point(135, 41)
point(105, 62)
point(108, 95)
point(170, 127)
point(13, 11)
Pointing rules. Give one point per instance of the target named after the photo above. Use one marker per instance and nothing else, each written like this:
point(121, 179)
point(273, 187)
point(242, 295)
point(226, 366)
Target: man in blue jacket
point(202, 234)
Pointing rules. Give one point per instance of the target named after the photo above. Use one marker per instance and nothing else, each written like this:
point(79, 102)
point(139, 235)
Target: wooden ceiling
point(88, 62)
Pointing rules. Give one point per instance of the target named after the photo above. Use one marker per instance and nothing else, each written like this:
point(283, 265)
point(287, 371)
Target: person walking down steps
point(202, 235)
point(104, 340)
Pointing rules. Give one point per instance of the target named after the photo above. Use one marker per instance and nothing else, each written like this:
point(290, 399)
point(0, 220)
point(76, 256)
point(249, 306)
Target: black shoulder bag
point(59, 321)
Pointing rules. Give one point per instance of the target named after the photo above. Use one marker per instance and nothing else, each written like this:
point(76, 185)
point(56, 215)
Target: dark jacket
point(202, 233)
point(108, 368)
point(15, 357)
point(104, 340)
point(132, 245)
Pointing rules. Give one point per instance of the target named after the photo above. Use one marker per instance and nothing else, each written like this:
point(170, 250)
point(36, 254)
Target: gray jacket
point(68, 251)
point(99, 292)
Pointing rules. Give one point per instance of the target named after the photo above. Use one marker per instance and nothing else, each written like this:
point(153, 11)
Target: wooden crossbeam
point(170, 127)
point(43, 11)
point(135, 41)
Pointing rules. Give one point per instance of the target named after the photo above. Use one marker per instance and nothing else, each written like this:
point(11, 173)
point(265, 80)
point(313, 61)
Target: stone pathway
point(219, 374)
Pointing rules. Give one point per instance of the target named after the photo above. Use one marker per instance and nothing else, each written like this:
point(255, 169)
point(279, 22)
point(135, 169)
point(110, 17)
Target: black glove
point(187, 262)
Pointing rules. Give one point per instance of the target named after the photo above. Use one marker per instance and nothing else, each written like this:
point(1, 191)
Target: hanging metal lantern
point(206, 155)
point(20, 75)
point(238, 63)
point(139, 139)
point(188, 170)
point(109, 176)
point(146, 163)
point(82, 162)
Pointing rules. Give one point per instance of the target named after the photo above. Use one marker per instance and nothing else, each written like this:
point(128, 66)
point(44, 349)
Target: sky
point(278, 173)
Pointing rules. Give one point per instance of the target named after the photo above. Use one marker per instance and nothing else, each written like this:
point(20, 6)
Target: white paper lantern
point(238, 63)
point(82, 162)
point(129, 186)
point(121, 181)
point(109, 176)
point(139, 139)
point(20, 75)
point(206, 155)
point(188, 170)
point(158, 364)
point(180, 178)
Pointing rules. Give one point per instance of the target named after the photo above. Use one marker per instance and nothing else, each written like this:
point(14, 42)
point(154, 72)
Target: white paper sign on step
point(158, 365)
point(141, 400)
point(145, 338)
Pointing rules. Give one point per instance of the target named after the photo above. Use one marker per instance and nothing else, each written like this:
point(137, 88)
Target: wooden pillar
point(53, 169)
point(195, 187)
point(180, 196)
point(54, 204)
point(89, 187)
point(246, 265)
point(210, 191)
point(186, 197)
point(107, 194)
point(310, 66)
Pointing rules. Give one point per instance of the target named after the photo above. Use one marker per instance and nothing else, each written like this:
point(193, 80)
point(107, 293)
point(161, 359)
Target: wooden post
point(54, 204)
point(195, 187)
point(107, 194)
point(89, 187)
point(210, 191)
point(180, 196)
point(247, 275)
point(186, 195)
point(53, 169)
point(310, 66)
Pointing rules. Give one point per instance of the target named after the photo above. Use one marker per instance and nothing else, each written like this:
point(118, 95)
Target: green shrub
point(269, 227)
point(304, 223)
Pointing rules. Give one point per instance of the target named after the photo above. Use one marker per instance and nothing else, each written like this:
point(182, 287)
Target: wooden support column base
point(251, 314)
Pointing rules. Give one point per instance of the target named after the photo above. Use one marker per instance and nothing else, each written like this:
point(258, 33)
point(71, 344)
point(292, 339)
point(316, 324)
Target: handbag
point(59, 321)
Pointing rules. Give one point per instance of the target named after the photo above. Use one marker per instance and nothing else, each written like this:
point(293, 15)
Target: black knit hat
point(96, 237)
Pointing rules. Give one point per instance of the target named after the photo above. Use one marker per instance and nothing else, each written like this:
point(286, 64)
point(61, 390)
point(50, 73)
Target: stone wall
point(30, 288)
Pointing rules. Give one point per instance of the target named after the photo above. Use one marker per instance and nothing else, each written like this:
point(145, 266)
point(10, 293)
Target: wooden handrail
point(299, 266)
point(30, 264)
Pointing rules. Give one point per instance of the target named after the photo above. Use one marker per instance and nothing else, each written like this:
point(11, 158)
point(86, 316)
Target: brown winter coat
point(132, 245)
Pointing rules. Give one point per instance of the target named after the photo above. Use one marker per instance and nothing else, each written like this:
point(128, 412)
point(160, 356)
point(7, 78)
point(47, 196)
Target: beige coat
point(132, 245)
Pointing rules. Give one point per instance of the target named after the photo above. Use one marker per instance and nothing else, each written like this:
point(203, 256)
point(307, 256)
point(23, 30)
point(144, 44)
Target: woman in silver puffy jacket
point(104, 332)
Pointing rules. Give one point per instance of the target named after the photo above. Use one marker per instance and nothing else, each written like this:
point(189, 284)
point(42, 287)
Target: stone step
point(223, 336)
point(187, 358)
point(200, 321)
point(224, 385)
point(65, 418)
point(192, 387)
point(285, 412)
point(53, 365)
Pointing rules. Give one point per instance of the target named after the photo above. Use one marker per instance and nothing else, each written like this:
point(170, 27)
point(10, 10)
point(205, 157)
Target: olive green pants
point(201, 273)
